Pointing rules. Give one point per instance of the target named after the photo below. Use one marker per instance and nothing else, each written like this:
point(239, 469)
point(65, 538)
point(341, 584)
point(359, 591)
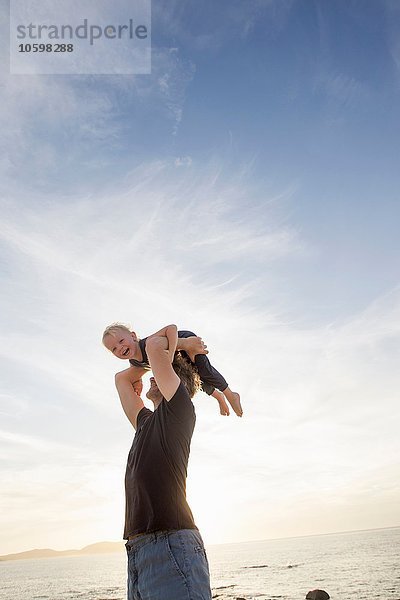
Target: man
point(166, 556)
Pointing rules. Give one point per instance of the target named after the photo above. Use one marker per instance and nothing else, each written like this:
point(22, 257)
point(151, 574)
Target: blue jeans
point(168, 565)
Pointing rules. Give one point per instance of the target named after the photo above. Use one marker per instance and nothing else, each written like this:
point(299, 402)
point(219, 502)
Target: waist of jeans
point(136, 536)
point(149, 534)
point(135, 541)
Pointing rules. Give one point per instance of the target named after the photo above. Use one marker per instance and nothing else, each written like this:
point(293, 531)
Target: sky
point(246, 189)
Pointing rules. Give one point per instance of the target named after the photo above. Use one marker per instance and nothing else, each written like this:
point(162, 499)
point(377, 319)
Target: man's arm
point(171, 333)
point(129, 390)
point(192, 345)
point(159, 357)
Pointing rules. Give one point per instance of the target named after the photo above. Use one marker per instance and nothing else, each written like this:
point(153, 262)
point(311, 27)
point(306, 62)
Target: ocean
point(349, 566)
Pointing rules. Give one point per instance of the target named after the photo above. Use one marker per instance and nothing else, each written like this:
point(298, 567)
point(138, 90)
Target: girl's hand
point(138, 386)
point(194, 345)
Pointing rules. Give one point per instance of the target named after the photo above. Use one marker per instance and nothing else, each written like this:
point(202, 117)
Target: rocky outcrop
point(317, 595)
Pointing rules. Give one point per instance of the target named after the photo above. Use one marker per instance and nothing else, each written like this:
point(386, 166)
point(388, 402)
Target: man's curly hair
point(187, 373)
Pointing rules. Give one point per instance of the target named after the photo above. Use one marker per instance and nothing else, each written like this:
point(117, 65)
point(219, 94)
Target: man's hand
point(192, 345)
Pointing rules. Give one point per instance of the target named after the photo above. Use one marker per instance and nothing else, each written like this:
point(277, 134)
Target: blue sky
point(247, 189)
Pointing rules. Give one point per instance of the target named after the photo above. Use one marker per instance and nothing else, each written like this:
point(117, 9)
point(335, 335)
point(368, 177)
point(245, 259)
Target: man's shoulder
point(143, 415)
point(181, 394)
point(180, 405)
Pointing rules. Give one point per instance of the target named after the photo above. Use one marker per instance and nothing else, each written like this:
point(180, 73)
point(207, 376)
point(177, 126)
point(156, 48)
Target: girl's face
point(122, 344)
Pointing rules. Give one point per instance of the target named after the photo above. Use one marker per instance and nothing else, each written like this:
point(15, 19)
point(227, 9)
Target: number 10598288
point(45, 48)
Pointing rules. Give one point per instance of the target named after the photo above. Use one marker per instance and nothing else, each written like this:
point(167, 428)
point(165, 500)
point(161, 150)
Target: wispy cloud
point(317, 403)
point(209, 31)
point(183, 161)
point(58, 486)
point(392, 14)
point(63, 128)
point(342, 89)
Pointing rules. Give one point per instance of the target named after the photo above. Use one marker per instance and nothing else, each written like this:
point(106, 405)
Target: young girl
point(125, 344)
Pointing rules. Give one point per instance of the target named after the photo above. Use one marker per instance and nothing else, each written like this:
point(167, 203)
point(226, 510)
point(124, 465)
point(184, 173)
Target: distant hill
point(99, 548)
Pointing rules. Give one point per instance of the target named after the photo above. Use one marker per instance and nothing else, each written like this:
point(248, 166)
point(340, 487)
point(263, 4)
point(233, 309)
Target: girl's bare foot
point(220, 398)
point(234, 400)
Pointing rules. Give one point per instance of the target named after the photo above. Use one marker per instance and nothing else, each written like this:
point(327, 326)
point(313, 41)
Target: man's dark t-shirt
point(155, 479)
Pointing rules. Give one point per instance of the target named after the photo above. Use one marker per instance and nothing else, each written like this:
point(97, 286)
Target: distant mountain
point(103, 548)
point(99, 548)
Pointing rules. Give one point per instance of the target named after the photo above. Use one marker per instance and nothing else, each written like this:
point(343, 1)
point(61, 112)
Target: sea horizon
point(121, 542)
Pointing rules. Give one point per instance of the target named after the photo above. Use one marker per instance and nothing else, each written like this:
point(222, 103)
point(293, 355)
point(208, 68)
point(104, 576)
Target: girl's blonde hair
point(113, 330)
